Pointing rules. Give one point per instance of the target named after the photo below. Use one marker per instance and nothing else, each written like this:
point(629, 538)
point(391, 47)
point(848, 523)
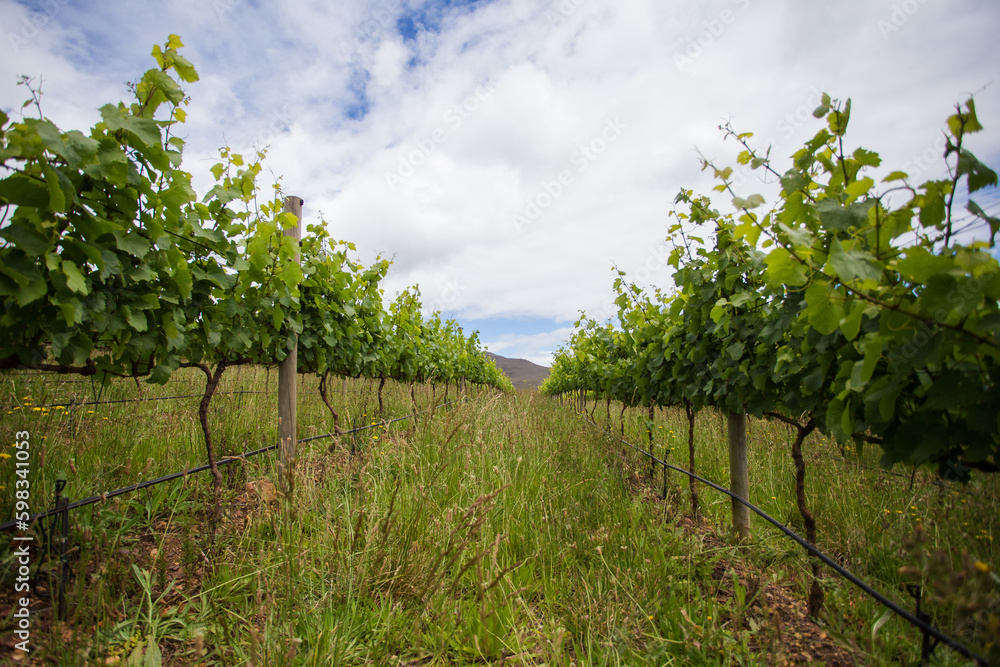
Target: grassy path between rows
point(503, 530)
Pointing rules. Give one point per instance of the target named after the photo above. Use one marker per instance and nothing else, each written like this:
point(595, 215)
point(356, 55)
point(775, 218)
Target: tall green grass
point(502, 529)
point(866, 517)
point(98, 448)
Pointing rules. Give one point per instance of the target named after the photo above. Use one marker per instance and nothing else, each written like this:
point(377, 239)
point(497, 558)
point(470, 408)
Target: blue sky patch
point(359, 106)
point(495, 327)
point(429, 16)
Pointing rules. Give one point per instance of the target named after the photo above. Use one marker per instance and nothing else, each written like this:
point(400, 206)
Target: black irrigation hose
point(184, 473)
point(881, 599)
point(131, 400)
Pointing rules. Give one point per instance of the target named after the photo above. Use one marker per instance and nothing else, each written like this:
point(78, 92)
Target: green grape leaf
point(137, 320)
point(144, 129)
point(979, 175)
point(783, 268)
point(185, 70)
point(919, 265)
point(839, 218)
point(872, 349)
point(966, 122)
point(74, 278)
point(133, 244)
point(835, 419)
point(851, 264)
point(164, 84)
point(867, 158)
point(993, 222)
point(26, 238)
point(25, 281)
point(20, 190)
point(822, 312)
point(851, 324)
point(799, 236)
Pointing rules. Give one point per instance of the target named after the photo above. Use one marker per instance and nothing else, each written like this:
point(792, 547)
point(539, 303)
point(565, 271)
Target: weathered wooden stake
point(287, 378)
point(649, 437)
point(739, 482)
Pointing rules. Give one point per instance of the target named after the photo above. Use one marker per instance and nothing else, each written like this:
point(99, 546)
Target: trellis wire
point(226, 460)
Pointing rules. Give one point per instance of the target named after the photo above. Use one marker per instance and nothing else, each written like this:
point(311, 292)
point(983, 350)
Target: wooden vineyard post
point(287, 378)
point(649, 436)
point(739, 482)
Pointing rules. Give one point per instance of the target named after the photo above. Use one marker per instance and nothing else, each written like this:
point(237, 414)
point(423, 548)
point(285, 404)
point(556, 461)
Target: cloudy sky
point(509, 153)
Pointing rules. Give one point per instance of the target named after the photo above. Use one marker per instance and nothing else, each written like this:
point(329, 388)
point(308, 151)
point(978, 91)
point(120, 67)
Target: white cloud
point(390, 59)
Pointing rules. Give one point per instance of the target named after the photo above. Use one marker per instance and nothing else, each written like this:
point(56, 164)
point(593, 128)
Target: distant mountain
point(522, 373)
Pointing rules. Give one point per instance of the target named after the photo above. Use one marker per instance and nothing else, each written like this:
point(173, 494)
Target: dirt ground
point(787, 636)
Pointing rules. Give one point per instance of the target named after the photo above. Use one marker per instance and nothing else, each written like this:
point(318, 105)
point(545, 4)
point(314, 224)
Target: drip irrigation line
point(132, 400)
point(226, 460)
point(878, 597)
